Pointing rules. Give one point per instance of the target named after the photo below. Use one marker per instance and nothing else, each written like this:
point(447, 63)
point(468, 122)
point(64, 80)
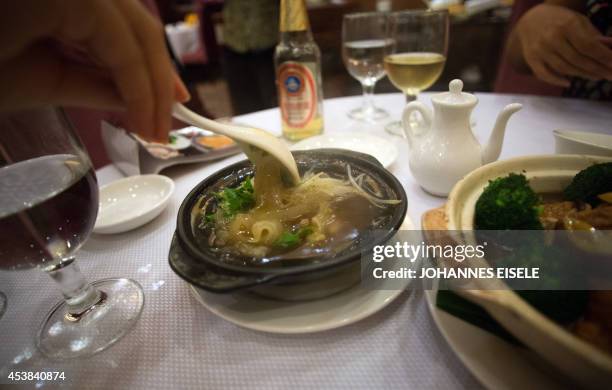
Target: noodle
point(318, 212)
point(266, 232)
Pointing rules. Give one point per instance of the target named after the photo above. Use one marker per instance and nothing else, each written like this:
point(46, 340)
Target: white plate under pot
point(266, 315)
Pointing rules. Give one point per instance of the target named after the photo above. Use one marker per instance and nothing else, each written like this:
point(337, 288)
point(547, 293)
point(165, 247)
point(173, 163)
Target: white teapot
point(444, 148)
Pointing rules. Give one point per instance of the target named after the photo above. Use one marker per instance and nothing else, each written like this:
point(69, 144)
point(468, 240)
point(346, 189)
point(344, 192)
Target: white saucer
point(380, 148)
point(267, 315)
point(582, 142)
point(496, 363)
point(131, 202)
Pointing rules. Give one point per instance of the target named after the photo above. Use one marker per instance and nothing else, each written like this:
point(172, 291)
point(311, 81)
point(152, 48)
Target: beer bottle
point(297, 60)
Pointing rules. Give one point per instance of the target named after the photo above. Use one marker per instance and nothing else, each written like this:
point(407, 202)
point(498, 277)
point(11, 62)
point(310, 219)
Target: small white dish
point(380, 148)
point(266, 315)
point(131, 202)
point(582, 142)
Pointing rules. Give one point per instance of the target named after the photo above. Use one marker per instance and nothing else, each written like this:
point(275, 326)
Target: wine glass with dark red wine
point(48, 207)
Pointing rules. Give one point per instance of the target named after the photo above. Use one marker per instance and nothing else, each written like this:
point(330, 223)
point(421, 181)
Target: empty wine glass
point(365, 43)
point(420, 43)
point(49, 203)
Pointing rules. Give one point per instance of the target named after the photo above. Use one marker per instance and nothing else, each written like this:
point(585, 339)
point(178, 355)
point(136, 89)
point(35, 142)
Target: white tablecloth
point(179, 344)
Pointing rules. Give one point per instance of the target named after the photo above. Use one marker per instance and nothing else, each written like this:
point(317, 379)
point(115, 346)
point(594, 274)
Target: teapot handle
point(423, 110)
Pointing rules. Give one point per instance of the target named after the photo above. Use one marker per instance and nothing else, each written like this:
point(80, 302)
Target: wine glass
point(365, 43)
point(48, 207)
point(420, 43)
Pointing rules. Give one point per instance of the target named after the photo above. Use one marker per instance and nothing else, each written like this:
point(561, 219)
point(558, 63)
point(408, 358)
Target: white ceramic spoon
point(255, 143)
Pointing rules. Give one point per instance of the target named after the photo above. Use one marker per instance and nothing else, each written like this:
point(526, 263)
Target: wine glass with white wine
point(365, 43)
point(420, 44)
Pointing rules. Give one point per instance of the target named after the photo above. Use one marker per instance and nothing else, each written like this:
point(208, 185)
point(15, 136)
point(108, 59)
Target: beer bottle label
point(298, 93)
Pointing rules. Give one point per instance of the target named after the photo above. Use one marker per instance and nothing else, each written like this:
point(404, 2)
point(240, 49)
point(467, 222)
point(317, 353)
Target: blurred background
point(209, 62)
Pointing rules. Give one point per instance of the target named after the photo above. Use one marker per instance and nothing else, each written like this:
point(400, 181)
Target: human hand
point(131, 71)
point(558, 43)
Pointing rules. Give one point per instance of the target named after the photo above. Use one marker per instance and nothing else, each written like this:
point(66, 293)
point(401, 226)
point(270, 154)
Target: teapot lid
point(455, 96)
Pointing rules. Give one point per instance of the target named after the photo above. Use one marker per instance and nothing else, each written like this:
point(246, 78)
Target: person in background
point(107, 55)
point(566, 43)
point(250, 33)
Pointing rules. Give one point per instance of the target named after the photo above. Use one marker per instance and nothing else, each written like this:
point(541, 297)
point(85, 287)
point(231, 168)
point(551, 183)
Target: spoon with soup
point(257, 144)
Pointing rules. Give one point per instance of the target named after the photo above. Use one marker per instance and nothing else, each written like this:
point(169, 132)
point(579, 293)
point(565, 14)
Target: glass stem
point(368, 97)
point(80, 295)
point(410, 98)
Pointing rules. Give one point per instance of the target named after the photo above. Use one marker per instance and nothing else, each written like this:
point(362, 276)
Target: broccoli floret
point(508, 203)
point(590, 182)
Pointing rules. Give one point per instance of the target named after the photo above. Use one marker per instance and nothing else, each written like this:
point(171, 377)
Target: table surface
point(179, 344)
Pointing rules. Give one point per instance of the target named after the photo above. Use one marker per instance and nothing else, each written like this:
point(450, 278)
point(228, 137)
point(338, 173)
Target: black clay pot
point(201, 266)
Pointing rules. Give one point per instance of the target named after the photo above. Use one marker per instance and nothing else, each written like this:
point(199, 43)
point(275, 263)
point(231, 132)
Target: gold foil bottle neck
point(293, 16)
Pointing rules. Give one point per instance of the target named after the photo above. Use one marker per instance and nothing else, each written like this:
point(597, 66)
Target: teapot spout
point(492, 149)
